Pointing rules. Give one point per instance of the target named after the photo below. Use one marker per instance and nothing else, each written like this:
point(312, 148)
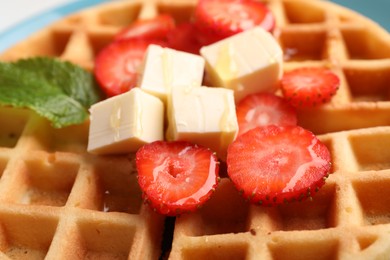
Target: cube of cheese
point(124, 123)
point(164, 69)
point(247, 62)
point(203, 115)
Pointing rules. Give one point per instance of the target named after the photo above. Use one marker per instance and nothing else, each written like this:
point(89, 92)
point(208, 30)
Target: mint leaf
point(57, 90)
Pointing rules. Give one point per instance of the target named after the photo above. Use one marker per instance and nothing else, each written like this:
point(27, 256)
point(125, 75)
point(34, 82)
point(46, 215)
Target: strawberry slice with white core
point(309, 86)
point(263, 109)
point(223, 18)
point(117, 65)
point(176, 177)
point(272, 165)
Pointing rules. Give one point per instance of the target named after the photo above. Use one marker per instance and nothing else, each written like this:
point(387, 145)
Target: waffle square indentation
point(3, 164)
point(68, 139)
point(120, 15)
point(181, 13)
point(46, 183)
point(25, 236)
point(103, 239)
point(303, 12)
point(14, 121)
point(298, 248)
point(374, 198)
point(371, 151)
point(309, 215)
point(52, 44)
point(117, 186)
point(367, 84)
point(217, 251)
point(226, 212)
point(99, 40)
point(366, 241)
point(363, 44)
point(302, 45)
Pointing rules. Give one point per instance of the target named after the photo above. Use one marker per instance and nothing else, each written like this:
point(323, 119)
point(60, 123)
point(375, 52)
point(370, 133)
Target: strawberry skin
point(272, 165)
point(309, 87)
point(176, 177)
point(219, 19)
point(263, 109)
point(185, 37)
point(154, 28)
point(116, 66)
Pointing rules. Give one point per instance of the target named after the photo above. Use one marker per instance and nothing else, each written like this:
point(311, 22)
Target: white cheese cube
point(247, 62)
point(124, 123)
point(204, 115)
point(164, 69)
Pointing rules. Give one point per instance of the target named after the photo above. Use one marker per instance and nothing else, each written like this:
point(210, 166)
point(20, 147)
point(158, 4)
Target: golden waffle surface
point(59, 202)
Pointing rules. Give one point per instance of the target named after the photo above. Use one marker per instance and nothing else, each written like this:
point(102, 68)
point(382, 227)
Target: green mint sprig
point(59, 91)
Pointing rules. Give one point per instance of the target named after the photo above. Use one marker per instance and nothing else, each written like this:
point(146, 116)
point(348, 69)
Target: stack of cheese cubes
point(170, 92)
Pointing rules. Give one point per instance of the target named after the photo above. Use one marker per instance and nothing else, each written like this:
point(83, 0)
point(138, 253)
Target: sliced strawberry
point(263, 109)
point(184, 38)
point(271, 165)
point(176, 177)
point(219, 19)
point(308, 87)
point(116, 66)
point(154, 28)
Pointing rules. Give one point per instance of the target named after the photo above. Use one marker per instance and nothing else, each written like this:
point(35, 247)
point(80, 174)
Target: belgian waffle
point(59, 202)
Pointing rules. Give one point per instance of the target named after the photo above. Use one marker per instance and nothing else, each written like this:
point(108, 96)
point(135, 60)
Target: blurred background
point(18, 18)
point(14, 11)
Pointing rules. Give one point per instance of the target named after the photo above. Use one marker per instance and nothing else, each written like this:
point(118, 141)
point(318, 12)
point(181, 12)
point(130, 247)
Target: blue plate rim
point(25, 28)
